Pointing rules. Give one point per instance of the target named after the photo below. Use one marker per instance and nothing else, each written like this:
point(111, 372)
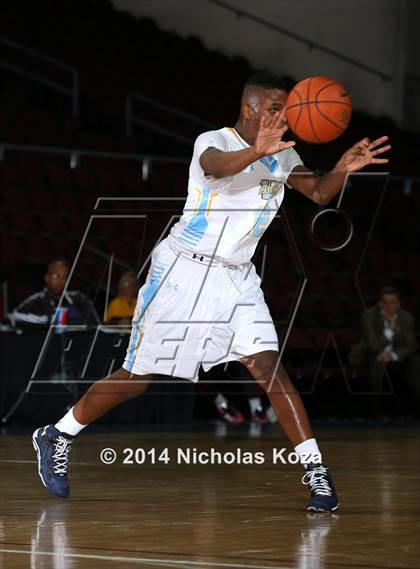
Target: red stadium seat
point(37, 248)
point(24, 223)
point(59, 177)
point(82, 179)
point(63, 246)
point(68, 203)
point(33, 178)
point(299, 340)
point(319, 337)
point(10, 176)
point(396, 263)
point(51, 223)
point(14, 200)
point(12, 251)
point(348, 337)
point(342, 285)
point(42, 201)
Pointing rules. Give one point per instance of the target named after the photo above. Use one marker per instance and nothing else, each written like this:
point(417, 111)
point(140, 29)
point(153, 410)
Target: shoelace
point(317, 480)
point(61, 455)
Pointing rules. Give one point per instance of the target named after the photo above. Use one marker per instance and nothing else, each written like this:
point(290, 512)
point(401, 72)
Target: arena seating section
point(46, 204)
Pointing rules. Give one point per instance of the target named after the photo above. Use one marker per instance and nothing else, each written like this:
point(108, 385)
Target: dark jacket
point(39, 310)
point(373, 340)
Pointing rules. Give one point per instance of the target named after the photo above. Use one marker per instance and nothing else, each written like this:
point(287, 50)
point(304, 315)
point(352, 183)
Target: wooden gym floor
point(213, 517)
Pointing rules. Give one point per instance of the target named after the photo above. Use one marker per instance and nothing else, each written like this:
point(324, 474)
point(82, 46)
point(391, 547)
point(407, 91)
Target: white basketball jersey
point(226, 217)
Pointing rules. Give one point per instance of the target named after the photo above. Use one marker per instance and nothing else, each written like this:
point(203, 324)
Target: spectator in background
point(40, 309)
point(388, 339)
point(121, 309)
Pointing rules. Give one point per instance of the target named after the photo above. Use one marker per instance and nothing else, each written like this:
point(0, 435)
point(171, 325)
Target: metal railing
point(301, 39)
point(74, 154)
point(130, 119)
point(145, 160)
point(72, 92)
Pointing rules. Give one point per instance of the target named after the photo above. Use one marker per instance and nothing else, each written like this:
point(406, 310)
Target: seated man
point(388, 337)
point(40, 308)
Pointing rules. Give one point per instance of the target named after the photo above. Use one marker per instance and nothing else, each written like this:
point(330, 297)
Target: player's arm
point(269, 141)
point(220, 164)
point(322, 189)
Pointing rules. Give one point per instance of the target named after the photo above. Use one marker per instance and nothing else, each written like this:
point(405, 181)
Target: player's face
point(267, 103)
point(389, 304)
point(56, 279)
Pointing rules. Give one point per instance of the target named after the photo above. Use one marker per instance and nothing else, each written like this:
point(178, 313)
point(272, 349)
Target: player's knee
point(131, 384)
point(264, 367)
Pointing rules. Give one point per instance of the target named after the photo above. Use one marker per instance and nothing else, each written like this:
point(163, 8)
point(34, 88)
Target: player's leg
point(285, 400)
point(53, 442)
point(253, 394)
point(292, 416)
point(106, 394)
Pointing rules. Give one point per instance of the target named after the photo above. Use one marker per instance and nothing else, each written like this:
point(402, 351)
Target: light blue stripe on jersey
point(147, 296)
point(270, 162)
point(197, 225)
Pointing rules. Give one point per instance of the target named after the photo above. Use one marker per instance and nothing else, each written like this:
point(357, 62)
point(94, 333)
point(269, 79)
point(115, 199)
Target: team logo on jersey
point(269, 188)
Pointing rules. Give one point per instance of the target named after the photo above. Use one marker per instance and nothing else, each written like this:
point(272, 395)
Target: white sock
point(69, 425)
point(255, 404)
point(308, 451)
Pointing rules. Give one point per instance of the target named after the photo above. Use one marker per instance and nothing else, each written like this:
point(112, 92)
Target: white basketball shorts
point(192, 311)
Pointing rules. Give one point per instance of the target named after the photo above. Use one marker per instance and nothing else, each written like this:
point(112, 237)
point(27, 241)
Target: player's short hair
point(263, 80)
point(390, 289)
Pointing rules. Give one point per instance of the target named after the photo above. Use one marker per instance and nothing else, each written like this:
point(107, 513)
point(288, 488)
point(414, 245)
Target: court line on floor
point(167, 562)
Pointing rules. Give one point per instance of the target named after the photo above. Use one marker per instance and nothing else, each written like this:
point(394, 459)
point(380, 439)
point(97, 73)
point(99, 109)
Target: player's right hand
point(270, 133)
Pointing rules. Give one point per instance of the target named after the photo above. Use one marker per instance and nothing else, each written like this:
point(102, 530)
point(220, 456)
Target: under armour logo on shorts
point(195, 256)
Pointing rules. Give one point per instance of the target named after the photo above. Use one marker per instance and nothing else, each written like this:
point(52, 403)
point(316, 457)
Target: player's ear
point(247, 112)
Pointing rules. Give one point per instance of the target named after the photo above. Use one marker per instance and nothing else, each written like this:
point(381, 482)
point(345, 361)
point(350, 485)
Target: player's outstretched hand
point(270, 133)
point(364, 153)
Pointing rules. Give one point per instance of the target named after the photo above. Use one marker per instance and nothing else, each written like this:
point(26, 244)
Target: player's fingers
point(378, 142)
point(379, 160)
point(364, 143)
point(283, 129)
point(380, 150)
point(269, 123)
point(285, 145)
point(276, 124)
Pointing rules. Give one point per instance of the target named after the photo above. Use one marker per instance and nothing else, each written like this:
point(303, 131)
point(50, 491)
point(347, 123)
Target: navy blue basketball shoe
point(323, 496)
point(52, 450)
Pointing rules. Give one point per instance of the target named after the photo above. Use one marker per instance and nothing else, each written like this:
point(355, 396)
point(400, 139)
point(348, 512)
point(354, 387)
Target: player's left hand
point(362, 154)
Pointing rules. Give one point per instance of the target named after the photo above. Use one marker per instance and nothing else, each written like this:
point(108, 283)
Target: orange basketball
point(318, 109)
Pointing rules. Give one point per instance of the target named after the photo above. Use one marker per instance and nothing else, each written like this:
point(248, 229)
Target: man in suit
point(388, 340)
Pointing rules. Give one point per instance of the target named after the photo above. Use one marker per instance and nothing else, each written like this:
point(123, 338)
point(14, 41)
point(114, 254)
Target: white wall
point(370, 31)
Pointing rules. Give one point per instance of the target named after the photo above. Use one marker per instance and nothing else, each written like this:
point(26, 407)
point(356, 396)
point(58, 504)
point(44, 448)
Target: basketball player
point(201, 303)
